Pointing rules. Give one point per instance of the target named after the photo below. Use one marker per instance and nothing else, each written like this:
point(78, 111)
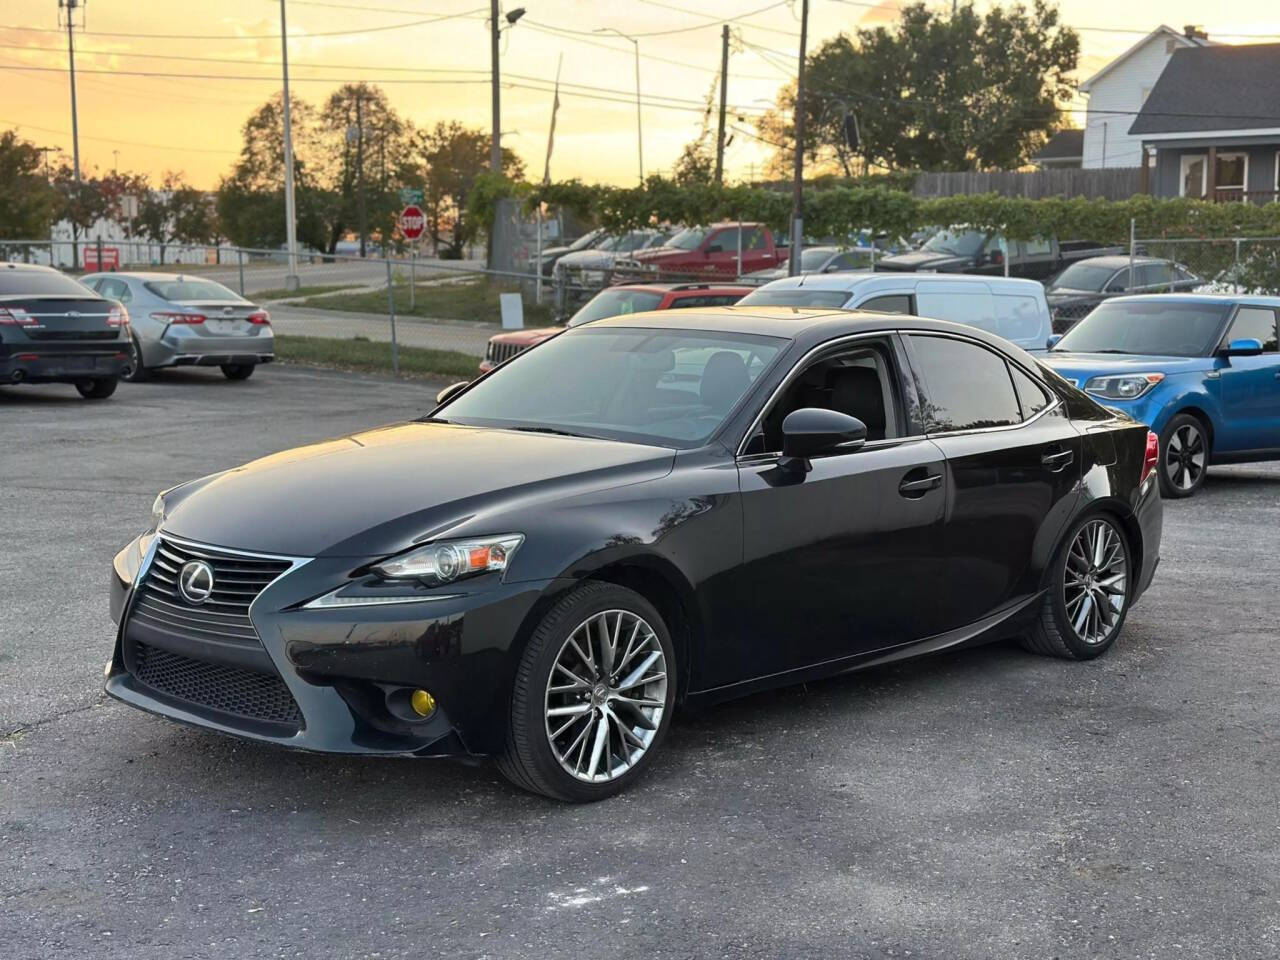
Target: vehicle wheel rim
point(1184, 457)
point(1096, 581)
point(606, 696)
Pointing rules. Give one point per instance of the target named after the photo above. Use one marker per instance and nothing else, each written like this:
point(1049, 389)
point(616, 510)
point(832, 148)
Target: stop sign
point(412, 221)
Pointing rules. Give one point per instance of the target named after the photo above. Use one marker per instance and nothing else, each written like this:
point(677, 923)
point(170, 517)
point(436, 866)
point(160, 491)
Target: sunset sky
point(189, 119)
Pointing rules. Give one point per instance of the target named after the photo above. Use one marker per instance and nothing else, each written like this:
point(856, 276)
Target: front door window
point(1194, 181)
point(1231, 173)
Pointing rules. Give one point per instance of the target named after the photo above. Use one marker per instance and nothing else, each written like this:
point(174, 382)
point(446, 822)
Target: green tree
point(454, 156)
point(934, 92)
point(82, 203)
point(28, 202)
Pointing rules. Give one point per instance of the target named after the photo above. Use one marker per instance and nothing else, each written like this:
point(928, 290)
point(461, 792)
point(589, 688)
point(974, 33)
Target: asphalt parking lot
point(980, 804)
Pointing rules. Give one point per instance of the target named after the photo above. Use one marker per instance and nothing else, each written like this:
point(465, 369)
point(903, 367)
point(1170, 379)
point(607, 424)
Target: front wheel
point(99, 388)
point(1184, 456)
point(238, 371)
point(1088, 596)
point(593, 696)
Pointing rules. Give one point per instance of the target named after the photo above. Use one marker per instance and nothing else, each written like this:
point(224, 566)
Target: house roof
point(1213, 89)
point(1163, 30)
point(1063, 145)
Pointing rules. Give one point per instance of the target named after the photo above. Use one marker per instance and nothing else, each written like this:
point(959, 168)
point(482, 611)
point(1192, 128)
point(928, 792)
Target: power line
point(711, 22)
point(125, 143)
point(740, 19)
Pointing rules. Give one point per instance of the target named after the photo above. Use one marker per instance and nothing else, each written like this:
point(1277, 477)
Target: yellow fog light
point(423, 703)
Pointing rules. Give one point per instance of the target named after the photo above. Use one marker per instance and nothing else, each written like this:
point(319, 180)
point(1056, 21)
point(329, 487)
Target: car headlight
point(157, 511)
point(451, 560)
point(1128, 386)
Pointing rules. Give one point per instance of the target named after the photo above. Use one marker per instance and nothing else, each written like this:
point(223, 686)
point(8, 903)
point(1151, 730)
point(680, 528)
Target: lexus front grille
point(224, 615)
point(214, 686)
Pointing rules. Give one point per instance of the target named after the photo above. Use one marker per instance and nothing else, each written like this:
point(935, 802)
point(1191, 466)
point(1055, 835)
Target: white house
point(1118, 91)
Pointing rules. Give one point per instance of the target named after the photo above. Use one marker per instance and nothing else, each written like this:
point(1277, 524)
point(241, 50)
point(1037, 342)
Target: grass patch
point(280, 293)
point(475, 300)
point(374, 357)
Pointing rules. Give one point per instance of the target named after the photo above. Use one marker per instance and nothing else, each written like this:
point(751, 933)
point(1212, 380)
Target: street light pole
point(291, 281)
point(71, 7)
point(797, 188)
point(495, 147)
point(639, 123)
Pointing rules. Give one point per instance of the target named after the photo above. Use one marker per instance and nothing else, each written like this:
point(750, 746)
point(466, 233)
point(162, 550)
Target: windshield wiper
point(552, 430)
point(1108, 350)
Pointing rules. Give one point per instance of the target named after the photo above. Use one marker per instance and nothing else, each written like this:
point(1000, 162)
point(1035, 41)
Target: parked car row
point(94, 332)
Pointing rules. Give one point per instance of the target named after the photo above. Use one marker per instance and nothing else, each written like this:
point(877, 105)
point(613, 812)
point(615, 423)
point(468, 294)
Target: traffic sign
point(410, 196)
point(412, 221)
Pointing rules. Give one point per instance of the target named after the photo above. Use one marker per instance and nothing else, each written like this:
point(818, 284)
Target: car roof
point(30, 267)
point(685, 287)
point(1117, 261)
point(146, 275)
point(855, 280)
point(1224, 299)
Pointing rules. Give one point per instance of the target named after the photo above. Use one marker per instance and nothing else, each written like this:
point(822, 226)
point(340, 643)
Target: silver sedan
point(180, 320)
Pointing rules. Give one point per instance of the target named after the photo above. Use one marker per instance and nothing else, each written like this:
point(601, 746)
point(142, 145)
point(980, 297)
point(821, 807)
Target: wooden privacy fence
point(1114, 183)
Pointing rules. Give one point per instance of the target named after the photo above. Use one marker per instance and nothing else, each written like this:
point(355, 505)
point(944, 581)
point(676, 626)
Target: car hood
point(658, 254)
point(1059, 294)
point(377, 492)
point(590, 258)
point(527, 337)
point(923, 260)
point(1079, 367)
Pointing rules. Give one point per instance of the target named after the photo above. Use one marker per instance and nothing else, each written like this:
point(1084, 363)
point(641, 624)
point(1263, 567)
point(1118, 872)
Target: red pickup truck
point(698, 251)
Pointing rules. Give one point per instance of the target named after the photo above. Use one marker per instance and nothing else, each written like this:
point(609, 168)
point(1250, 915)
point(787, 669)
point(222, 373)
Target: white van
point(1009, 307)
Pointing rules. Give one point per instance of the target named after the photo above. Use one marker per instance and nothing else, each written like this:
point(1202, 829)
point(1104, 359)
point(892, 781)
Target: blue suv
point(1202, 371)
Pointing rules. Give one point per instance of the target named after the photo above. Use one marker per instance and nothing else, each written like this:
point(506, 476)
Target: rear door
point(1250, 386)
point(1013, 466)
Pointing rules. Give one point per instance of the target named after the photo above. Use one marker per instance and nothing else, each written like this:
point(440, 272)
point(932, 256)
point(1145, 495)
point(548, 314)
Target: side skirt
point(996, 626)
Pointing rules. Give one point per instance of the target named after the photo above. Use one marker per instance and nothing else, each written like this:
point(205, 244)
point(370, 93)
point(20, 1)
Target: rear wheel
point(238, 371)
point(1184, 456)
point(593, 696)
point(135, 370)
point(1089, 591)
point(99, 388)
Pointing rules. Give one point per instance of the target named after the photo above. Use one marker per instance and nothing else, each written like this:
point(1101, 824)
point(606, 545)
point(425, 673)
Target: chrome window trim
point(795, 371)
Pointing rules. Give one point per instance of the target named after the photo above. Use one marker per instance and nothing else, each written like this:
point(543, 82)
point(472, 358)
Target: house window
point(1231, 175)
point(1194, 179)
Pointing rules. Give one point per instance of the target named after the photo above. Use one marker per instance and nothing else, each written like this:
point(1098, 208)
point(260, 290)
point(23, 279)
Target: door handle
point(1057, 460)
point(916, 488)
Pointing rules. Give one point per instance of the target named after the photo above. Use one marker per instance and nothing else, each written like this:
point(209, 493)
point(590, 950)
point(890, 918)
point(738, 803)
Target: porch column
point(1211, 175)
point(1144, 176)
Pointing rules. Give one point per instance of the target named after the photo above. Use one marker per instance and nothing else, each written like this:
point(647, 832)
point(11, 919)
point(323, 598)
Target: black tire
point(136, 371)
point(99, 388)
point(1185, 439)
point(528, 759)
point(1054, 634)
point(238, 371)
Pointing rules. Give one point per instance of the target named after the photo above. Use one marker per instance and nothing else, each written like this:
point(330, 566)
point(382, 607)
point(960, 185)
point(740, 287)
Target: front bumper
point(346, 669)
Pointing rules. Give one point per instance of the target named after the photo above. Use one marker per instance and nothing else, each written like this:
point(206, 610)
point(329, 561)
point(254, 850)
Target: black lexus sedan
point(56, 330)
point(654, 509)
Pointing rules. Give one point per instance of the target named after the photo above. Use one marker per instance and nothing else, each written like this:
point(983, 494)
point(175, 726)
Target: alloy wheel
point(1184, 457)
point(606, 696)
point(1095, 581)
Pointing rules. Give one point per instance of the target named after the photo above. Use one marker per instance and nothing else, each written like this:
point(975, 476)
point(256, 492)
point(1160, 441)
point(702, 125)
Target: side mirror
point(451, 390)
point(811, 430)
point(714, 248)
point(1246, 347)
point(1052, 341)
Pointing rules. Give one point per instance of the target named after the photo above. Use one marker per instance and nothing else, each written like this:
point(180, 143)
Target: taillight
point(118, 317)
point(178, 317)
point(15, 317)
point(260, 317)
point(1152, 456)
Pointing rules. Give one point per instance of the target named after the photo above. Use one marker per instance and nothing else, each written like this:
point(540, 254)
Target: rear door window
point(965, 386)
point(889, 303)
point(1031, 396)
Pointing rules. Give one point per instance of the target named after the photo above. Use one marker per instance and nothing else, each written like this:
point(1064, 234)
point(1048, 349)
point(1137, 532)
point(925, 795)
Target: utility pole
point(115, 161)
point(364, 216)
point(639, 126)
point(495, 148)
point(291, 281)
point(797, 189)
point(71, 6)
point(724, 94)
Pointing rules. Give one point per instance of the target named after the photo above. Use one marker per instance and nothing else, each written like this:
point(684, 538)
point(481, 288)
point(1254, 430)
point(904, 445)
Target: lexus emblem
point(195, 581)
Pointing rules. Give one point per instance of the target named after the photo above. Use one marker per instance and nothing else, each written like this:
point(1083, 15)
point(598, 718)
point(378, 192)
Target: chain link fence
point(403, 314)
point(1239, 265)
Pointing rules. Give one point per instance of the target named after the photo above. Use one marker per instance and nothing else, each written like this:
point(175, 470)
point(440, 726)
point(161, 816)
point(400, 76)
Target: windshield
point(688, 239)
point(185, 288)
point(40, 283)
point(670, 388)
point(962, 243)
point(612, 303)
point(1083, 276)
point(794, 297)
point(586, 240)
point(1166, 328)
point(815, 259)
